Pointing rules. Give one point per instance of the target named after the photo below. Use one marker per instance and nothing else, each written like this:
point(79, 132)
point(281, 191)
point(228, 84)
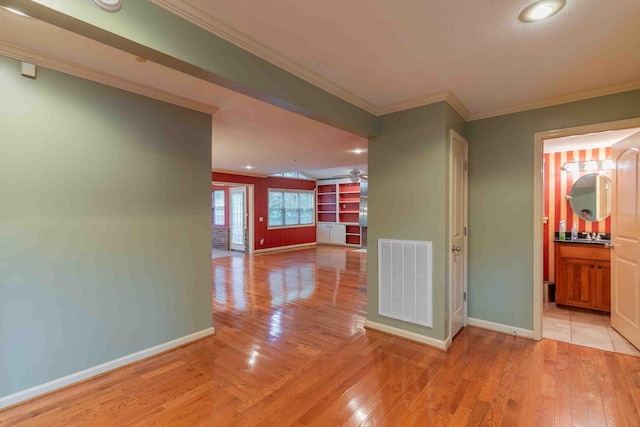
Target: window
point(298, 175)
point(288, 208)
point(218, 207)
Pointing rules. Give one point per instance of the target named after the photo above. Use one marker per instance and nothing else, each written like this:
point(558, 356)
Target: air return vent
point(405, 281)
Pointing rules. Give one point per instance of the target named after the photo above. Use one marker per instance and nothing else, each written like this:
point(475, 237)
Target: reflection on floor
point(217, 253)
point(583, 327)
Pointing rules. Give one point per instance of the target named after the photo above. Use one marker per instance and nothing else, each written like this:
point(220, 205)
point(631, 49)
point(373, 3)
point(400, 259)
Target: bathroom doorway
point(574, 239)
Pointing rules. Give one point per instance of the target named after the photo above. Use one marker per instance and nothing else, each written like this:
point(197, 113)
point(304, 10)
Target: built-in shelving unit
point(326, 203)
point(338, 203)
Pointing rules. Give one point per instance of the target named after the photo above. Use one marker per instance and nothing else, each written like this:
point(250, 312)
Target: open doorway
point(232, 219)
point(573, 244)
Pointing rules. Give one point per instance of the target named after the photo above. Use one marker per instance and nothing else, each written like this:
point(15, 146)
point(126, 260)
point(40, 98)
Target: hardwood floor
point(290, 349)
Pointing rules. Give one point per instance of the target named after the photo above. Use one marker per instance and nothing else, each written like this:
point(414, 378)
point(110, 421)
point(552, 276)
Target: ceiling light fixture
point(358, 151)
point(541, 10)
point(249, 167)
point(590, 166)
point(15, 11)
point(110, 6)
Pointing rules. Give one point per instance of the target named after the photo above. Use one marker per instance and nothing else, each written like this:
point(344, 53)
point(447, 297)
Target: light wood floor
point(290, 349)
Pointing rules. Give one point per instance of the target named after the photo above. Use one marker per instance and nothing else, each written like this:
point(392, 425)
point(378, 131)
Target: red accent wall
point(272, 238)
point(557, 184)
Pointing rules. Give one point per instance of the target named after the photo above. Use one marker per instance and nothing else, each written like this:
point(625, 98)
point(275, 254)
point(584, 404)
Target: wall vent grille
point(405, 276)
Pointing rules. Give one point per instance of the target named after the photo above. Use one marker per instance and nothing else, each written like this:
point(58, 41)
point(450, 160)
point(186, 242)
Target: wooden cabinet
point(583, 275)
point(338, 213)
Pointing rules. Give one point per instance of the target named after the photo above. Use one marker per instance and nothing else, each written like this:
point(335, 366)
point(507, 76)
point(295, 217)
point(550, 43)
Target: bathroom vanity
point(583, 274)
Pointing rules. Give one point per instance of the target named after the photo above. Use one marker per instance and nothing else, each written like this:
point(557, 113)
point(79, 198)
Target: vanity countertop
point(583, 241)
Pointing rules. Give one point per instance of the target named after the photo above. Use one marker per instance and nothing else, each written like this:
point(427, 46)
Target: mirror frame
point(580, 210)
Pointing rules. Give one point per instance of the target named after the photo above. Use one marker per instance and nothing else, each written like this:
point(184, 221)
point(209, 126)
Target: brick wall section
point(220, 238)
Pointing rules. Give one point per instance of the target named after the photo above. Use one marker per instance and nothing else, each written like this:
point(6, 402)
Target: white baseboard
point(32, 392)
point(284, 248)
point(439, 344)
point(499, 327)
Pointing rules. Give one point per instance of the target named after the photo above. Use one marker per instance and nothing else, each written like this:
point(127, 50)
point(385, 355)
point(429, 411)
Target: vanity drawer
point(592, 251)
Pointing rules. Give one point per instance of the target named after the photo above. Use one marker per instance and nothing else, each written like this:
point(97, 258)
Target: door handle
point(609, 245)
point(455, 249)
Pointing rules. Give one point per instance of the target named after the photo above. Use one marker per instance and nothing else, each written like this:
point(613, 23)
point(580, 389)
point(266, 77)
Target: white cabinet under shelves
point(332, 234)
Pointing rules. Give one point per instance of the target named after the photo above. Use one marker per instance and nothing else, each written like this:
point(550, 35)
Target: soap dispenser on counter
point(574, 231)
point(563, 231)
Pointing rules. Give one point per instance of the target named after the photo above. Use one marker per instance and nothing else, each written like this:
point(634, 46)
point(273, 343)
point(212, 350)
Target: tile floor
point(583, 327)
point(217, 253)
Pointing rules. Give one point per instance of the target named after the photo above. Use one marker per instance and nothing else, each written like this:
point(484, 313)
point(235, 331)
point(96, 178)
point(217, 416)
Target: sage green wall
point(501, 201)
point(104, 225)
point(407, 195)
point(215, 59)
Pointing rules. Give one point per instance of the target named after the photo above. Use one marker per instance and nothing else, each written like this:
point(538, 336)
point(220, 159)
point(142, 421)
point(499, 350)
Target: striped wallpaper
point(557, 184)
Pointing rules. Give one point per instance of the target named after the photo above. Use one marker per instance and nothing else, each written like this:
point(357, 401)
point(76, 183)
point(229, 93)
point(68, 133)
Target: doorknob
point(455, 249)
point(609, 245)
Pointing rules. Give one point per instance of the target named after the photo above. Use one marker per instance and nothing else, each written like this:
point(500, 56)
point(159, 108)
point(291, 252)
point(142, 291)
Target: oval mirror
point(590, 197)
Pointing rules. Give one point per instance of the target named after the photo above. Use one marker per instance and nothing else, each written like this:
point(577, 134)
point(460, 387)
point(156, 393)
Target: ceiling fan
point(354, 175)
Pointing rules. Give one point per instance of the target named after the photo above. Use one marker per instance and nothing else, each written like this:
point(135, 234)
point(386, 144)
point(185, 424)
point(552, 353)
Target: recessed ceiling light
point(358, 151)
point(249, 167)
point(15, 11)
point(541, 10)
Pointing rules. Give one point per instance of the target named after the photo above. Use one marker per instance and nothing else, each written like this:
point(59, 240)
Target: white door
point(625, 236)
point(457, 233)
point(238, 215)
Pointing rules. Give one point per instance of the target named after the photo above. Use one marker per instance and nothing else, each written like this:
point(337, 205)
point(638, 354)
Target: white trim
point(50, 386)
point(439, 344)
point(538, 212)
point(284, 227)
point(284, 248)
point(578, 96)
point(499, 327)
point(447, 343)
point(202, 19)
point(448, 97)
point(45, 61)
point(252, 218)
point(456, 136)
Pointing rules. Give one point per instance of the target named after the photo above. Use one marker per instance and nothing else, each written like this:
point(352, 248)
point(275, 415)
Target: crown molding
point(448, 97)
point(202, 19)
point(549, 102)
point(37, 58)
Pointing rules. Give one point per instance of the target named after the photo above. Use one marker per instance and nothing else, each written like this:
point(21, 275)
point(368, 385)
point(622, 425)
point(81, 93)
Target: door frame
point(538, 208)
point(244, 223)
point(250, 209)
point(465, 254)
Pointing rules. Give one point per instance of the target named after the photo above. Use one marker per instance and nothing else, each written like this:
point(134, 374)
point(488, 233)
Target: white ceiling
point(245, 131)
point(587, 141)
point(380, 55)
point(385, 56)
